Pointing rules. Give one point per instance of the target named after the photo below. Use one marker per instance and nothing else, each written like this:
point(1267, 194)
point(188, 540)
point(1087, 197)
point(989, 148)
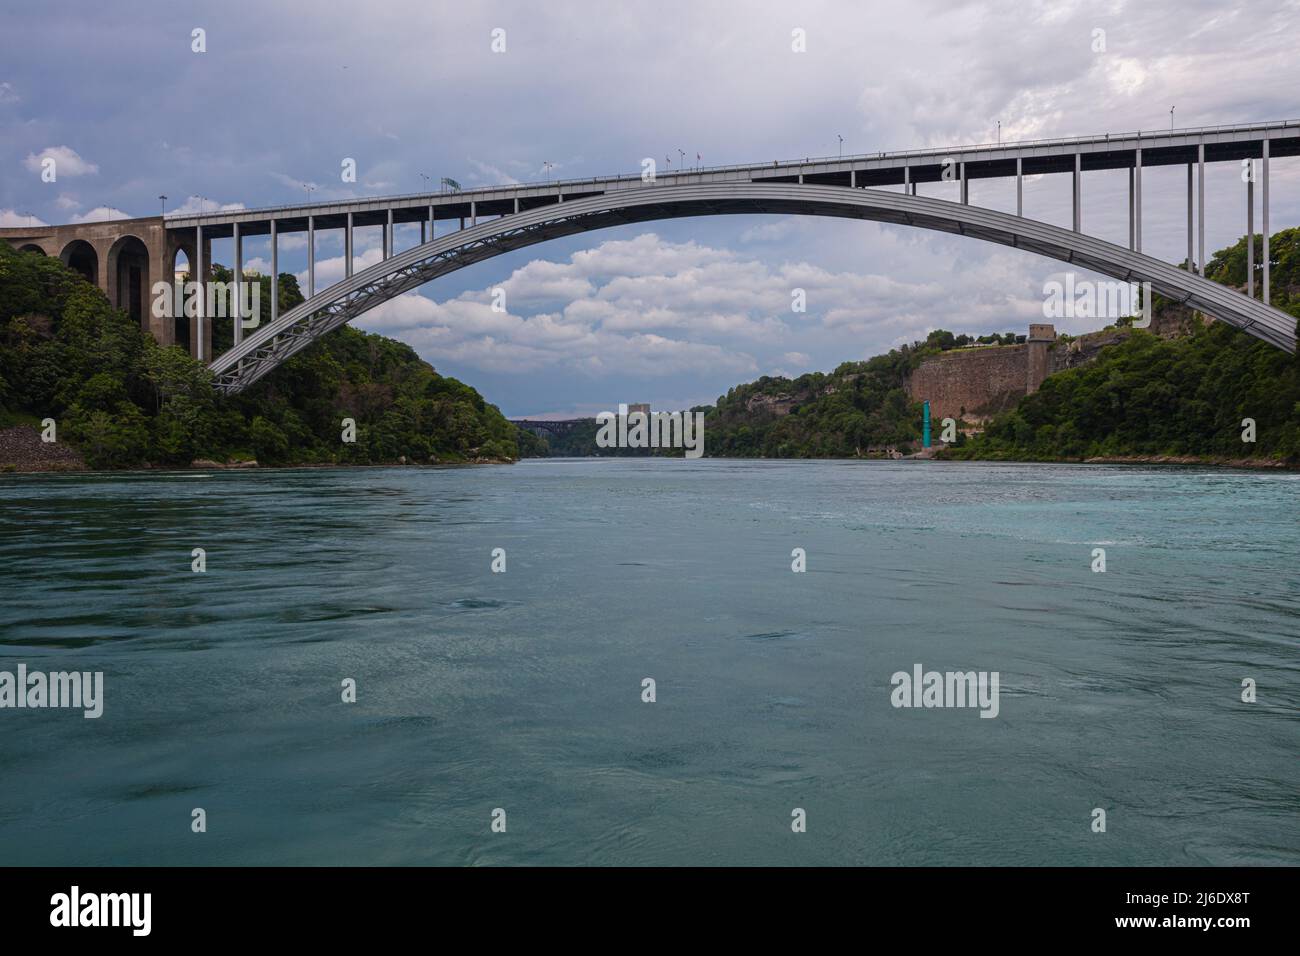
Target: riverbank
point(1205, 461)
point(23, 453)
point(21, 450)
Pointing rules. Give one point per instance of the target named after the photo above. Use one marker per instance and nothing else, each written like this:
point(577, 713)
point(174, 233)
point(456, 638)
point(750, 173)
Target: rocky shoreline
point(21, 449)
point(1270, 464)
point(1203, 461)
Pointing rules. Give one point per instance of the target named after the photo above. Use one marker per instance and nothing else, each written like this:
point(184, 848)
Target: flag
point(451, 184)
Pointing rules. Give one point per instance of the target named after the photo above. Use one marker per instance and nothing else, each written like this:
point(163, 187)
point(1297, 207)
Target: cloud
point(646, 307)
point(197, 204)
point(490, 175)
point(67, 162)
point(67, 202)
point(10, 219)
point(769, 231)
point(101, 214)
point(8, 94)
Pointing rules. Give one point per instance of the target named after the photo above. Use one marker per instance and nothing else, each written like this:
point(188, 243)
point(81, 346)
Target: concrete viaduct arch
point(122, 257)
point(286, 335)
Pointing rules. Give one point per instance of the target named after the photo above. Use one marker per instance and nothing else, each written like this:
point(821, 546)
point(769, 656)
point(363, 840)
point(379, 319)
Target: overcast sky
point(672, 313)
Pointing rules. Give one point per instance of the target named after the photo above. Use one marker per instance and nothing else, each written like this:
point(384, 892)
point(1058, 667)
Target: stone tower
point(1037, 362)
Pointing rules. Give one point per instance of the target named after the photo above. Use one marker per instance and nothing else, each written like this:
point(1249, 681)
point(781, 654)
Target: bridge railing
point(741, 167)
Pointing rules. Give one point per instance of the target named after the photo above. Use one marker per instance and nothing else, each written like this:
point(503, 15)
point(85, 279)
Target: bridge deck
point(985, 161)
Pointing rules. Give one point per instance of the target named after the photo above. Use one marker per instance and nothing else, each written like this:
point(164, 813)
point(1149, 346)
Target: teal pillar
point(925, 426)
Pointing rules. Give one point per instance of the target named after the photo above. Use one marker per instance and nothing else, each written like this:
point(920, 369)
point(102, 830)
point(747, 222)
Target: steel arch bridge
point(289, 333)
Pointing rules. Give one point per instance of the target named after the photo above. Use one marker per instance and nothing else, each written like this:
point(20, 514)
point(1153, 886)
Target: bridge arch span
point(80, 256)
point(327, 310)
point(32, 247)
point(128, 276)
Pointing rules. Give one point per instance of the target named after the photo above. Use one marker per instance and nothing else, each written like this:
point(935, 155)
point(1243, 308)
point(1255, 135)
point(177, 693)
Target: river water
point(522, 691)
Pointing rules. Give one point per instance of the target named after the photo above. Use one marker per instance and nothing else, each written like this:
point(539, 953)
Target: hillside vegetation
point(847, 413)
point(123, 401)
point(1170, 397)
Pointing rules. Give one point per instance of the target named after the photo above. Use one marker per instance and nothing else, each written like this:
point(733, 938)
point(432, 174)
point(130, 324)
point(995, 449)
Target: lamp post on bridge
point(162, 202)
point(841, 139)
point(1171, 117)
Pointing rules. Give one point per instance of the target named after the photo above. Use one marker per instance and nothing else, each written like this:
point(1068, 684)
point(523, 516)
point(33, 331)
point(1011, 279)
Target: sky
point(672, 313)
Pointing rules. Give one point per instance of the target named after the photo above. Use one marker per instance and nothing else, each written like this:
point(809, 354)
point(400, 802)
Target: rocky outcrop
point(972, 383)
point(976, 384)
point(21, 449)
point(777, 405)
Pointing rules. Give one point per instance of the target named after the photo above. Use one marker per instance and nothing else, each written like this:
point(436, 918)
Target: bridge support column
point(433, 224)
point(1020, 187)
point(1191, 264)
point(238, 268)
point(907, 180)
point(1250, 232)
point(1264, 210)
point(853, 179)
point(424, 232)
point(275, 270)
point(1200, 206)
point(347, 248)
point(1137, 202)
point(1130, 207)
point(388, 236)
point(200, 307)
point(1078, 172)
point(516, 207)
point(965, 186)
point(311, 256)
point(473, 213)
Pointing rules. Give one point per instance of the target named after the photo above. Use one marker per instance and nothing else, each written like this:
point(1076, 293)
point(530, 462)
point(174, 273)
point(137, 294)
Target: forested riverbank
point(117, 399)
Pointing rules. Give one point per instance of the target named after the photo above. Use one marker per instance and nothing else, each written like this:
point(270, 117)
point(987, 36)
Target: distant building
point(644, 409)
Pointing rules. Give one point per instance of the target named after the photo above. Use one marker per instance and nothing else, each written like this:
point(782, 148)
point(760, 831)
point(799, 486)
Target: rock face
point(21, 449)
point(974, 384)
point(978, 383)
point(777, 405)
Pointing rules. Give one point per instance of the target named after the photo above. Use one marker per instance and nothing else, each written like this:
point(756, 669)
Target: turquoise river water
point(522, 691)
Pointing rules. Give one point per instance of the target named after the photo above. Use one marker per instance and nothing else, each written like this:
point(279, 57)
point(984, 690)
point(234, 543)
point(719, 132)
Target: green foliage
point(840, 415)
point(1182, 397)
point(125, 401)
point(532, 445)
